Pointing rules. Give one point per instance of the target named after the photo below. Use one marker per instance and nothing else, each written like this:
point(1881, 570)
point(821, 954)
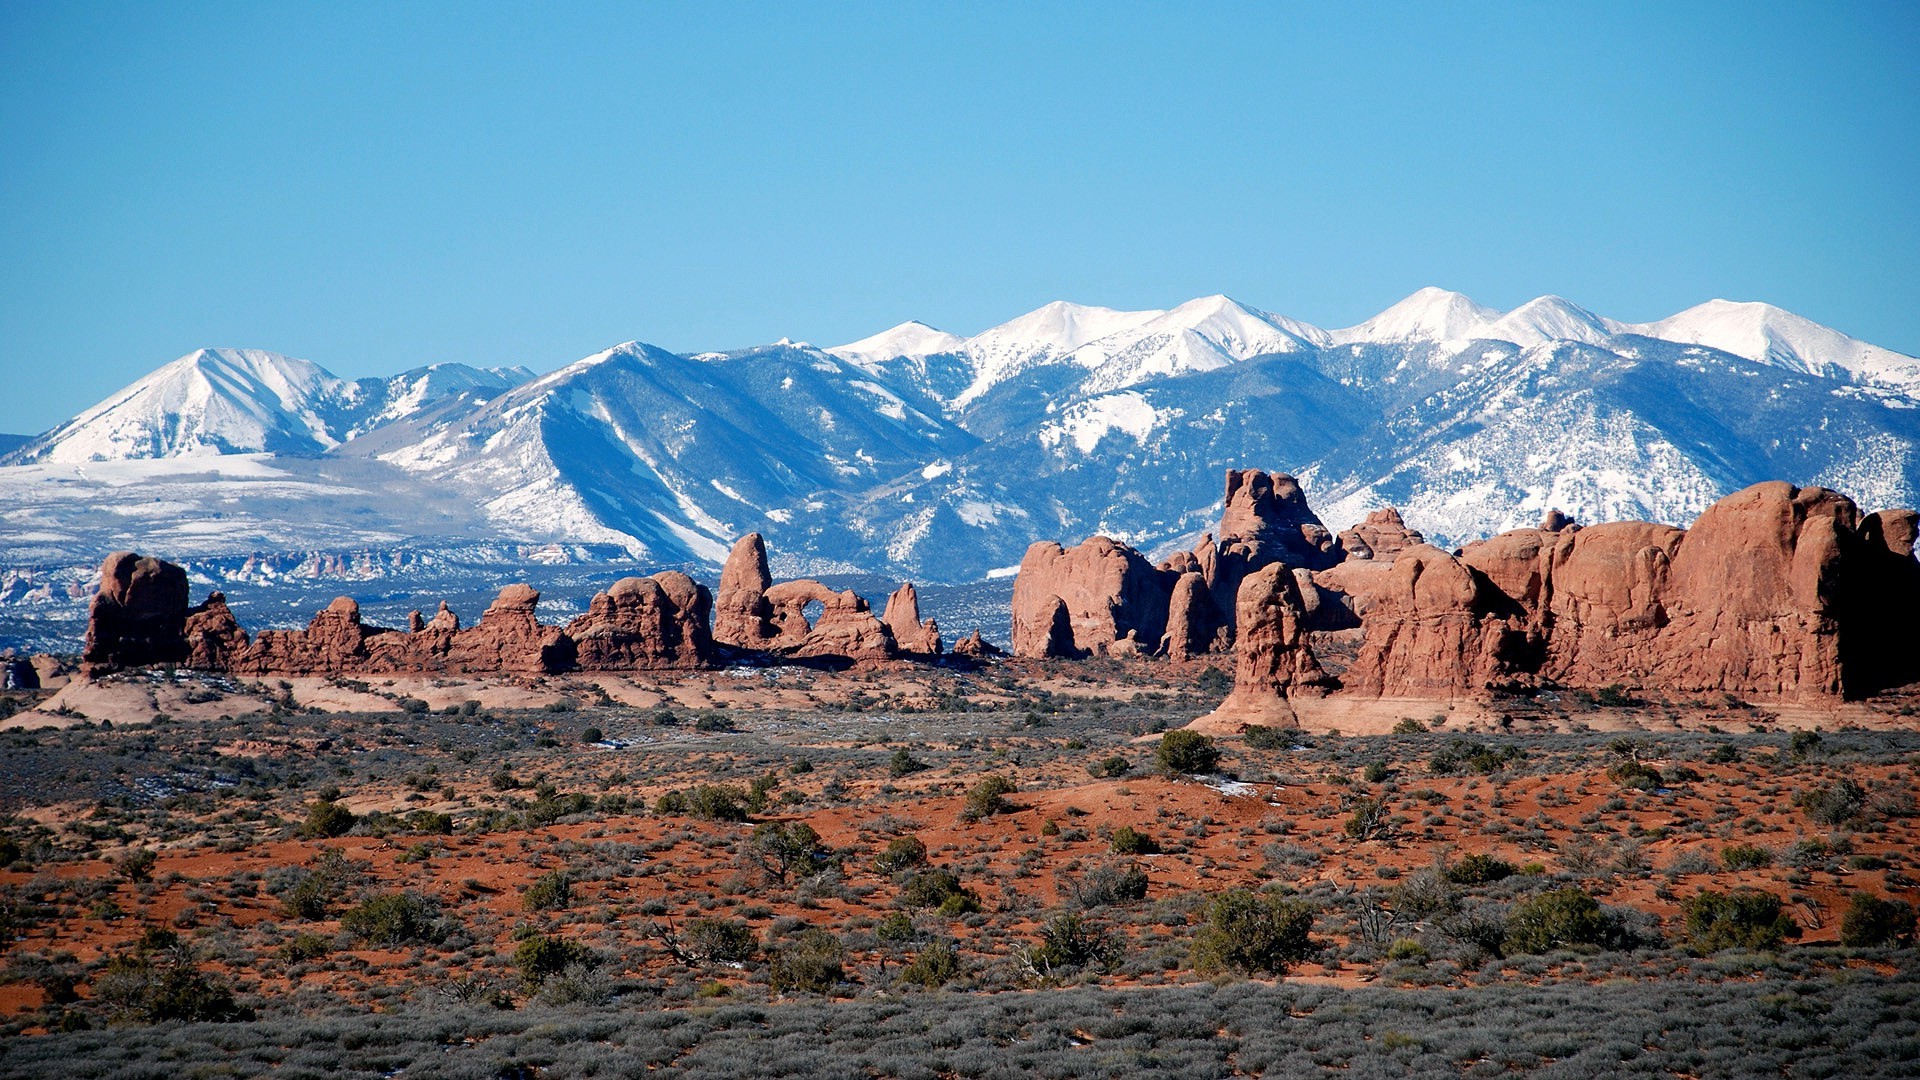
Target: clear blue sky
point(379, 186)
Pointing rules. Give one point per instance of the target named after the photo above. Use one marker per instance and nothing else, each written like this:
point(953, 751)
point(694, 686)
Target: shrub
point(540, 957)
point(988, 797)
point(137, 865)
point(1110, 768)
point(939, 889)
point(1112, 882)
point(1745, 857)
point(551, 891)
point(1369, 819)
point(327, 818)
point(935, 966)
point(593, 735)
point(1071, 941)
point(714, 941)
point(1260, 737)
point(1253, 932)
point(1376, 772)
point(903, 763)
point(1464, 755)
point(814, 962)
point(304, 947)
point(901, 853)
point(309, 892)
point(1213, 681)
point(786, 846)
point(1842, 802)
point(1409, 726)
point(1127, 840)
point(430, 823)
point(1871, 921)
point(1478, 869)
point(1635, 774)
point(896, 928)
point(1563, 918)
point(1741, 919)
point(393, 919)
point(156, 988)
point(715, 802)
point(1184, 751)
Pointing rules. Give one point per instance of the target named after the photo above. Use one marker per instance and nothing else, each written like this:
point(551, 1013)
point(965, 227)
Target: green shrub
point(137, 865)
point(813, 962)
point(1114, 882)
point(935, 966)
point(154, 988)
point(593, 735)
point(1563, 918)
point(1369, 819)
point(1070, 941)
point(713, 802)
point(394, 919)
point(1635, 774)
point(903, 763)
point(1182, 752)
point(1376, 772)
point(785, 847)
point(897, 928)
point(430, 823)
point(1266, 738)
point(327, 818)
point(939, 889)
point(1842, 802)
point(901, 853)
point(1871, 922)
point(988, 797)
point(551, 891)
point(1745, 857)
point(717, 941)
point(1466, 756)
point(540, 958)
point(1127, 840)
point(1741, 919)
point(1478, 869)
point(1253, 932)
point(1109, 768)
point(1409, 726)
point(304, 947)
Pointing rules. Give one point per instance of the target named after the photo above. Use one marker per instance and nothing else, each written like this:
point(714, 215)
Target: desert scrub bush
point(938, 889)
point(551, 891)
point(1568, 918)
point(933, 967)
point(158, 980)
point(1479, 869)
point(903, 763)
point(136, 865)
point(1109, 768)
point(1113, 882)
point(395, 919)
point(540, 957)
point(310, 891)
point(1741, 919)
point(1185, 752)
point(1069, 942)
point(327, 818)
point(1407, 725)
point(1872, 921)
point(988, 797)
point(1369, 819)
point(303, 947)
point(1635, 774)
point(1260, 737)
point(784, 847)
point(1253, 932)
point(1745, 857)
point(901, 853)
point(711, 802)
point(1127, 840)
point(1467, 756)
point(709, 941)
point(1842, 802)
point(814, 961)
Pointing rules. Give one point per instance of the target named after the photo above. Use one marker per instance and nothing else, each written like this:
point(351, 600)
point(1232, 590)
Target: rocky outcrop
point(642, 623)
point(742, 618)
point(846, 628)
point(1080, 601)
point(137, 616)
point(976, 647)
point(1273, 660)
point(1267, 514)
point(1435, 627)
point(1193, 625)
point(214, 637)
point(902, 617)
point(1383, 535)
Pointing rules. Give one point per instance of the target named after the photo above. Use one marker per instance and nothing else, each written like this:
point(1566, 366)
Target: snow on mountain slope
point(1549, 318)
point(411, 392)
point(1769, 335)
point(1430, 314)
point(1042, 336)
point(210, 401)
point(910, 339)
point(1199, 335)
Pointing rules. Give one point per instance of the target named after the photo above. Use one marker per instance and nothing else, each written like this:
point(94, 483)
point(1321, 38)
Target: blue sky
point(379, 186)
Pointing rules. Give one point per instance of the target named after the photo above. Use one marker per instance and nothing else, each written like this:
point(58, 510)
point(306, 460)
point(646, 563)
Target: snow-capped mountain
point(942, 457)
point(237, 401)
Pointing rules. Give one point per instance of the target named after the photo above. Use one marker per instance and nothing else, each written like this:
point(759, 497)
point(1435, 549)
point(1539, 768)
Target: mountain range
point(923, 454)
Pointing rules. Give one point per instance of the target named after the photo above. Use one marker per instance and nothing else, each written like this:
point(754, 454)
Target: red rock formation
point(137, 616)
point(1435, 627)
point(742, 618)
point(846, 628)
point(214, 638)
point(1382, 536)
point(644, 623)
point(1268, 513)
point(1273, 660)
point(903, 620)
point(1193, 626)
point(975, 646)
point(1107, 589)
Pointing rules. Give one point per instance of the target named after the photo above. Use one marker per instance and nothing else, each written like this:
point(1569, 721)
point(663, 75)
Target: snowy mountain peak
point(1548, 318)
point(910, 339)
point(1770, 335)
point(1430, 314)
point(1044, 335)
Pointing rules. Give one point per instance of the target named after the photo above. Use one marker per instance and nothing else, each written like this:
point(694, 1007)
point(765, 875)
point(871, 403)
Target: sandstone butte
point(1776, 593)
point(663, 622)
